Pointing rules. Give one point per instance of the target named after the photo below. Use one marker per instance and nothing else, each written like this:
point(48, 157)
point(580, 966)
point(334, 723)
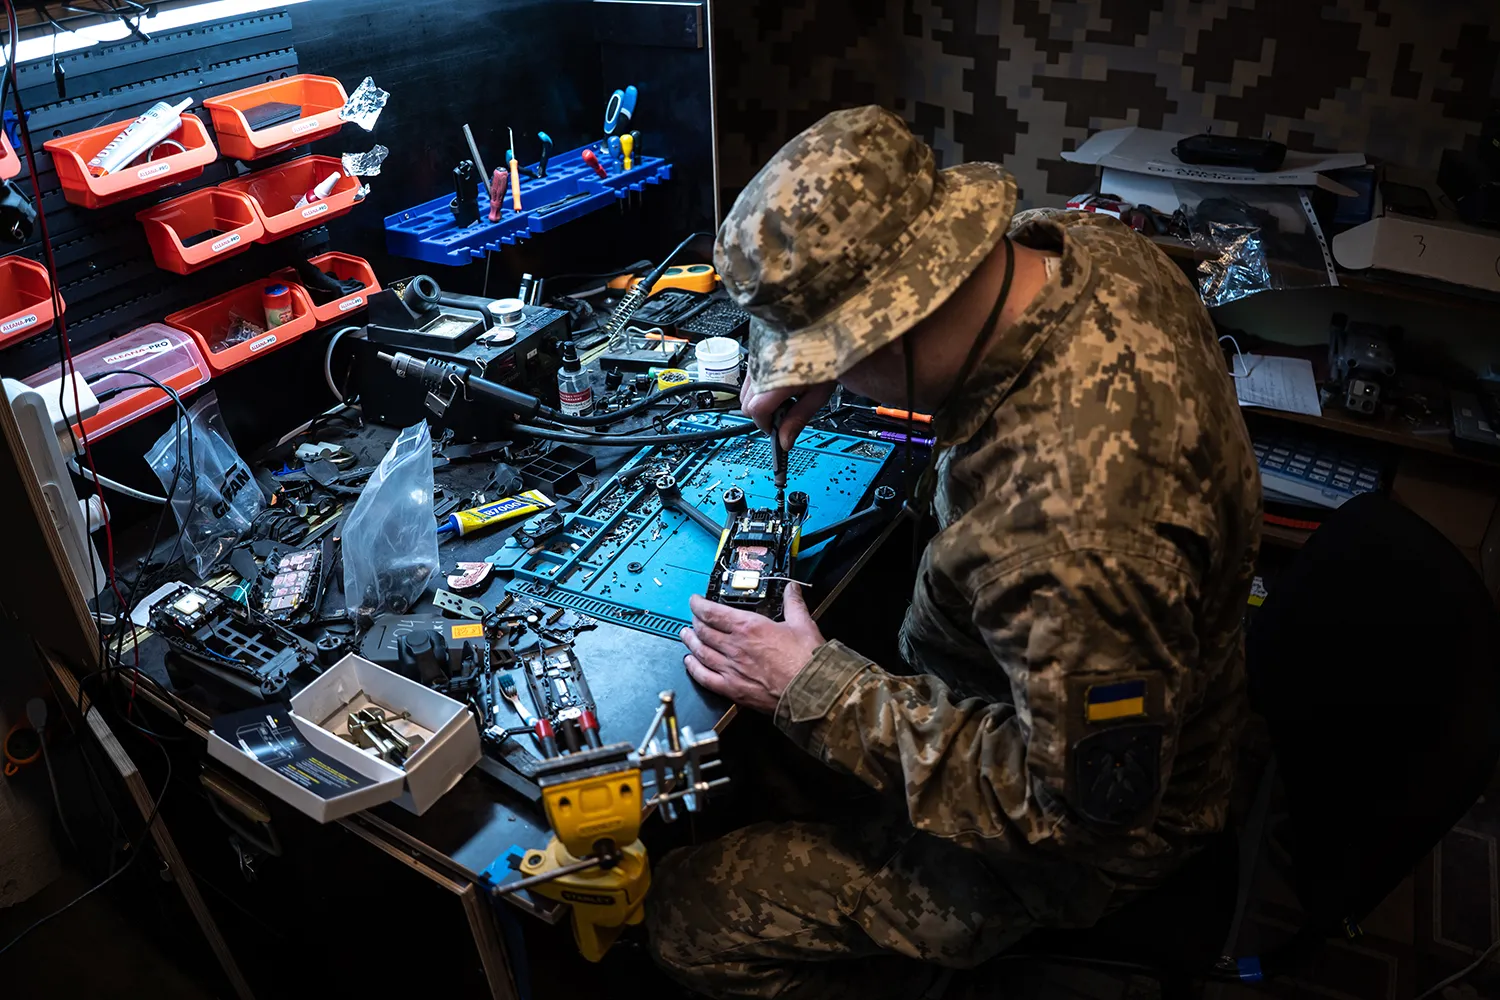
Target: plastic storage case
point(10, 163)
point(344, 267)
point(320, 98)
point(167, 355)
point(71, 153)
point(209, 323)
point(175, 228)
point(25, 299)
point(275, 193)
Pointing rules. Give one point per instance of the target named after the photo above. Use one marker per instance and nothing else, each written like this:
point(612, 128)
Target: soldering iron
point(444, 380)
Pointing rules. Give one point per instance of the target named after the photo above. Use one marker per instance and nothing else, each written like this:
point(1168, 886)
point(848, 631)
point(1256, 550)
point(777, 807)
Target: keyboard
point(1303, 469)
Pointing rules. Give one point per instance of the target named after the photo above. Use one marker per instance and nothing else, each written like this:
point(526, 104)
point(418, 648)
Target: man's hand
point(746, 657)
point(761, 407)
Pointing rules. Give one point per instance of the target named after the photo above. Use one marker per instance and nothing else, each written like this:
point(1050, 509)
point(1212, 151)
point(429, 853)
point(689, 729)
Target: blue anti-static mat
point(588, 566)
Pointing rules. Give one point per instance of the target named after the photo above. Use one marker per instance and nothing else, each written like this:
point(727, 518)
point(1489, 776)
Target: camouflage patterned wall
point(1021, 80)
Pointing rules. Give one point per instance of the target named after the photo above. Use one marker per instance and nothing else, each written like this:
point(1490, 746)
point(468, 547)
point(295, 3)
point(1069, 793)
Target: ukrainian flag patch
point(1124, 700)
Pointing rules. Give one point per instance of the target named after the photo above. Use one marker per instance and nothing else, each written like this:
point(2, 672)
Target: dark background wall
point(1020, 81)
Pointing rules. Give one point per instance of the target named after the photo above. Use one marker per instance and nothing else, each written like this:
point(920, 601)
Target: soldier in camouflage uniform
point(1068, 736)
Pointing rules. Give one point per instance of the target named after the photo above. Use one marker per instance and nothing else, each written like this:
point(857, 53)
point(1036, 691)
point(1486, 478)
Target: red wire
point(70, 369)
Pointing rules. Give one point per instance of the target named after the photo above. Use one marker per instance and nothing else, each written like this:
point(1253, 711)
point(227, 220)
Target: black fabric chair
point(1375, 662)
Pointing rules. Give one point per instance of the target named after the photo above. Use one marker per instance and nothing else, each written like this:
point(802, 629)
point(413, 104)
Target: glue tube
point(159, 121)
point(319, 191)
point(488, 515)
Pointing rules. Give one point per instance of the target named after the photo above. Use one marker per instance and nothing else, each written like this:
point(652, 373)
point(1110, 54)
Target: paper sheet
point(1149, 151)
point(1278, 384)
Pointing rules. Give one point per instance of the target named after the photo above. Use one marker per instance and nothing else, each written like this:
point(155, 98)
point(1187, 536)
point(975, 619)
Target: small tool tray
point(428, 231)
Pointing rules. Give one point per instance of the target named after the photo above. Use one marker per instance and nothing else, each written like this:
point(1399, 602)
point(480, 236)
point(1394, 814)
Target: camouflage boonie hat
point(848, 238)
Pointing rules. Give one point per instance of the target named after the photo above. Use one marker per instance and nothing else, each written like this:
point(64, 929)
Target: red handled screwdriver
point(593, 161)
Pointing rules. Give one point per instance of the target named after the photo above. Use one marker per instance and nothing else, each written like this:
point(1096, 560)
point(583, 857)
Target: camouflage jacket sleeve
point(1097, 642)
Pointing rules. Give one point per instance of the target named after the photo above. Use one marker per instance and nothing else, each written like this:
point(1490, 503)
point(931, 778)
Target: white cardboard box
point(1432, 248)
point(299, 757)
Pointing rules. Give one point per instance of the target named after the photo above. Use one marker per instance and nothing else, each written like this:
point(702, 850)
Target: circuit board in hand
point(621, 557)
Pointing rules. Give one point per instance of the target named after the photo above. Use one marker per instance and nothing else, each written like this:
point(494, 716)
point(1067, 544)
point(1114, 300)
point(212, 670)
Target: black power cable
point(634, 440)
point(68, 372)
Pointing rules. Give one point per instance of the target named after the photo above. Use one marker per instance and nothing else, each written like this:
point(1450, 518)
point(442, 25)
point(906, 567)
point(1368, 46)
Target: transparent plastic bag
point(215, 503)
point(1259, 238)
point(390, 538)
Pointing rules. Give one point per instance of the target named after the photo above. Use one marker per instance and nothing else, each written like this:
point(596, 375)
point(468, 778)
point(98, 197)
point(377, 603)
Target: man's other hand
point(746, 657)
point(761, 407)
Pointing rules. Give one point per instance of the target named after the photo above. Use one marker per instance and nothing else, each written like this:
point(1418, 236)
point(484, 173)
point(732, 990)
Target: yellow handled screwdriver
point(515, 171)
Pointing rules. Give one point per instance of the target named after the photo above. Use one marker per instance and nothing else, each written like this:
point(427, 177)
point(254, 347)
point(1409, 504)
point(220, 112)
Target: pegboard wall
point(106, 273)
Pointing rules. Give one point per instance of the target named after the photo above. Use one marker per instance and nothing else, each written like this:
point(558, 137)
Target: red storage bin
point(25, 299)
point(344, 267)
point(175, 228)
point(320, 98)
point(10, 162)
point(275, 193)
point(71, 154)
point(209, 323)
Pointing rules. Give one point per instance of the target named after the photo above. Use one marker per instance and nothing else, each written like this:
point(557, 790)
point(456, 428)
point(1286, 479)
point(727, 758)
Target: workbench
point(481, 819)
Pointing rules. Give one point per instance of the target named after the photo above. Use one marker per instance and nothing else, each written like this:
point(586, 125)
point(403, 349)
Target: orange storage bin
point(10, 161)
point(198, 229)
point(25, 299)
point(275, 193)
point(320, 99)
point(71, 154)
point(210, 324)
point(344, 267)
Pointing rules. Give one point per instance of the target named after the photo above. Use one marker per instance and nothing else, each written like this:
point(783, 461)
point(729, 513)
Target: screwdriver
point(515, 171)
point(895, 437)
point(627, 147)
point(541, 166)
point(893, 414)
point(497, 193)
point(778, 458)
point(592, 160)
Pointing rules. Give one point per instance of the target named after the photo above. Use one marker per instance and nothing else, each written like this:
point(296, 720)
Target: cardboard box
point(296, 752)
point(1432, 248)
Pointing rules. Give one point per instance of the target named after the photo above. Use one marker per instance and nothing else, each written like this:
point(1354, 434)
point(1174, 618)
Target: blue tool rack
point(428, 232)
point(587, 567)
